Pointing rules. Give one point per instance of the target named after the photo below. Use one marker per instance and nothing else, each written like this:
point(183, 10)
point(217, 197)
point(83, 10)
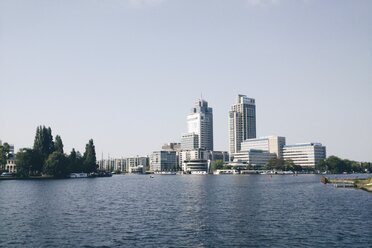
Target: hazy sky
point(127, 72)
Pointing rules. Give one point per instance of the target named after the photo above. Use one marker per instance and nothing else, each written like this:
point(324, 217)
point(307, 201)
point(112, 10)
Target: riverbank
point(364, 184)
point(28, 178)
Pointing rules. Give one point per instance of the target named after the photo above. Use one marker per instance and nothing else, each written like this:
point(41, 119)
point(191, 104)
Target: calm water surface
point(184, 211)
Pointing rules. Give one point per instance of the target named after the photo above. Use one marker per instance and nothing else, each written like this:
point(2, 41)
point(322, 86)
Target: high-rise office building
point(242, 122)
point(200, 126)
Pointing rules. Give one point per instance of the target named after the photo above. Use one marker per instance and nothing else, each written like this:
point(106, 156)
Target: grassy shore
point(365, 184)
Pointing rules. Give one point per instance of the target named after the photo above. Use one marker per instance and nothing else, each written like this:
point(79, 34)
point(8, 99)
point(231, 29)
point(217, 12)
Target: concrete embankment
point(365, 184)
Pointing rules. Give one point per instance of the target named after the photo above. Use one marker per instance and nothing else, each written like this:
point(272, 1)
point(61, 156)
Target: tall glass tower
point(200, 122)
point(242, 122)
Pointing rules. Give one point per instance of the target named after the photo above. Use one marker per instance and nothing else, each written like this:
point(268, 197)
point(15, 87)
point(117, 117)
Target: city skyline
point(125, 72)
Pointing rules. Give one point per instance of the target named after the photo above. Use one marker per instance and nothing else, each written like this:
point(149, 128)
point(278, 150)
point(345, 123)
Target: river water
point(184, 211)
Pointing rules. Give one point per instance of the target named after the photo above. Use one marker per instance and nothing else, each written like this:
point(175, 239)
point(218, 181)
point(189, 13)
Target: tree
point(289, 165)
point(321, 165)
point(4, 155)
point(56, 165)
point(90, 161)
point(217, 165)
point(75, 162)
point(28, 162)
point(58, 145)
point(43, 142)
point(275, 164)
point(337, 165)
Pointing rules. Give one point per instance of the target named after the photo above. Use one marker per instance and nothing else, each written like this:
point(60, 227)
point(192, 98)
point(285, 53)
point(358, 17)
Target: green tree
point(58, 145)
point(56, 165)
point(297, 167)
point(43, 142)
point(75, 161)
point(28, 162)
point(275, 164)
point(217, 165)
point(4, 155)
point(321, 165)
point(90, 161)
point(337, 165)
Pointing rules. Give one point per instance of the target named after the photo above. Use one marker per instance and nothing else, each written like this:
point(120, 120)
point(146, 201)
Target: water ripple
point(184, 211)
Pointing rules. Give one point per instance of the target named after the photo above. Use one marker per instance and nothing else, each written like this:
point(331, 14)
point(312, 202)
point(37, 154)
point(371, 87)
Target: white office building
point(305, 155)
point(257, 158)
point(242, 122)
point(272, 144)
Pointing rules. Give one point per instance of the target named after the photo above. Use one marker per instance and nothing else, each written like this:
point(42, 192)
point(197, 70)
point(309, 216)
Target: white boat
point(165, 173)
point(226, 172)
point(78, 175)
point(199, 173)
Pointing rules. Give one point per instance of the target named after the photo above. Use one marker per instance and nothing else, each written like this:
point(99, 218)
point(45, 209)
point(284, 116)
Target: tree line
point(336, 165)
point(273, 164)
point(47, 157)
point(332, 164)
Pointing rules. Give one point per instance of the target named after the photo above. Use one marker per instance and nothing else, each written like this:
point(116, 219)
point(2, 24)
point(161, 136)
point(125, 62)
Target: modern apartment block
point(163, 161)
point(200, 125)
point(242, 122)
point(305, 155)
point(272, 144)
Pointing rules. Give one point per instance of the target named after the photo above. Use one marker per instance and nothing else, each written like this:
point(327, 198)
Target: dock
point(365, 184)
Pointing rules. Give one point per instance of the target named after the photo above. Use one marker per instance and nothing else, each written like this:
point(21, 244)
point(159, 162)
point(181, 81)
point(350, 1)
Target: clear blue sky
point(127, 72)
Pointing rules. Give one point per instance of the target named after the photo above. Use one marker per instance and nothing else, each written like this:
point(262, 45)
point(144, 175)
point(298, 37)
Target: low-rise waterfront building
point(272, 144)
point(256, 158)
point(188, 155)
point(124, 165)
point(201, 154)
point(163, 161)
point(307, 155)
point(198, 166)
point(133, 162)
point(140, 169)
